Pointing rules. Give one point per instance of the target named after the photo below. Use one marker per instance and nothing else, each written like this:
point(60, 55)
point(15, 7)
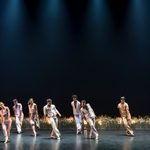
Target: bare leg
point(33, 129)
point(5, 132)
point(9, 128)
point(128, 129)
point(92, 128)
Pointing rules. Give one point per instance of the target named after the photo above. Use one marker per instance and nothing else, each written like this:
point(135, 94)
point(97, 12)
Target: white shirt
point(88, 112)
point(76, 109)
point(50, 111)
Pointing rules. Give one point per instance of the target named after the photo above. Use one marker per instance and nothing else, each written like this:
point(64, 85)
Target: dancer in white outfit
point(33, 115)
point(88, 114)
point(76, 112)
point(6, 121)
point(17, 108)
point(50, 115)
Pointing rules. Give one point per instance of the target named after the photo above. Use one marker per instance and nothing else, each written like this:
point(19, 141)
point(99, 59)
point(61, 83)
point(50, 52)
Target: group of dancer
point(83, 114)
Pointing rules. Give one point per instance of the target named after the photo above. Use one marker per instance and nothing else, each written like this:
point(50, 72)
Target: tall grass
point(102, 123)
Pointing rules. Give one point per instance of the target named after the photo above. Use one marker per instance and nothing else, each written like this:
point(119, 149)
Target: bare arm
point(2, 118)
point(36, 110)
point(57, 112)
point(127, 108)
point(8, 111)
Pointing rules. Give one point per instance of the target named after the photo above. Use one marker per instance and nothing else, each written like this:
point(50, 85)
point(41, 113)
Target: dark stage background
point(97, 49)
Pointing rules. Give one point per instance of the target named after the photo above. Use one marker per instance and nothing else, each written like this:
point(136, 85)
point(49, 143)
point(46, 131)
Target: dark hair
point(83, 101)
point(31, 99)
point(85, 106)
point(74, 96)
point(15, 100)
point(122, 98)
point(49, 100)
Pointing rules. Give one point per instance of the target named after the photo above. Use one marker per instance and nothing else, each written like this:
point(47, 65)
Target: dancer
point(76, 112)
point(88, 114)
point(125, 115)
point(50, 115)
point(17, 108)
point(33, 115)
point(6, 121)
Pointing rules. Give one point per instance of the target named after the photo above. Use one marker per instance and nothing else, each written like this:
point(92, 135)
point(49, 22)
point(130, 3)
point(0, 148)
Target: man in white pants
point(50, 115)
point(17, 108)
point(76, 112)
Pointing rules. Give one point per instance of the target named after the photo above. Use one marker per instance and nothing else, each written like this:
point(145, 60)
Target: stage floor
point(108, 140)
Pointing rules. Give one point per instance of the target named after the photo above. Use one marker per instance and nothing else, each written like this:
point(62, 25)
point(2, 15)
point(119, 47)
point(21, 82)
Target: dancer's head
point(49, 101)
point(31, 101)
point(83, 103)
point(122, 99)
point(15, 101)
point(2, 105)
point(74, 97)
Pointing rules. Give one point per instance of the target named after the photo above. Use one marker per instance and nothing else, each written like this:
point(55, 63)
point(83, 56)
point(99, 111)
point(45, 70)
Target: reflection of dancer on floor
point(89, 115)
point(34, 144)
point(50, 115)
point(17, 108)
point(78, 143)
point(19, 143)
point(127, 144)
point(125, 115)
point(55, 145)
point(6, 121)
point(76, 112)
point(33, 115)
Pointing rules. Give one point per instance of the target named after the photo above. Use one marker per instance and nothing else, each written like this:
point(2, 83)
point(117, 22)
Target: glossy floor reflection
point(109, 140)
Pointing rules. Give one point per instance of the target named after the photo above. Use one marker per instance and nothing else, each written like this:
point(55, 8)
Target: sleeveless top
point(17, 109)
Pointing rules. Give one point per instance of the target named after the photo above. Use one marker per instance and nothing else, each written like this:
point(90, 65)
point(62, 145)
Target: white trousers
point(78, 122)
point(93, 130)
point(56, 122)
point(19, 121)
point(55, 132)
